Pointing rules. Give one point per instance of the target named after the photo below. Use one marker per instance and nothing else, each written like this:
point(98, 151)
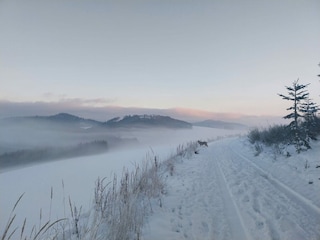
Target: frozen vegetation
point(163, 190)
point(226, 192)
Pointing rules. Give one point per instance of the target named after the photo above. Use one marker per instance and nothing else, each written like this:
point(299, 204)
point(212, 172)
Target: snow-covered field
point(76, 177)
point(224, 192)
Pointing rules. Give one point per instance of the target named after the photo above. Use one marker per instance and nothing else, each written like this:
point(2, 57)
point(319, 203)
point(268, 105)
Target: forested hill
point(147, 121)
point(129, 121)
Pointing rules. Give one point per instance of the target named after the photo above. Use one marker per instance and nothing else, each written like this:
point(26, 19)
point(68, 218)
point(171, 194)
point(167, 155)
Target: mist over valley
point(31, 140)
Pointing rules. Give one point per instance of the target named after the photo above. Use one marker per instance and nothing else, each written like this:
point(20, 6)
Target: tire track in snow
point(219, 195)
point(269, 211)
point(198, 205)
point(237, 225)
point(281, 186)
point(292, 179)
point(206, 209)
point(198, 214)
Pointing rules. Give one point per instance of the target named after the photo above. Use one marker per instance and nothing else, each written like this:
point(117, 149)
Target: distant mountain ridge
point(220, 124)
point(124, 122)
point(128, 121)
point(147, 121)
point(66, 117)
point(60, 117)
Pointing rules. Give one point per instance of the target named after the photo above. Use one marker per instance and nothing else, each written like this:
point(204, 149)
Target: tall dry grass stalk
point(120, 205)
point(34, 234)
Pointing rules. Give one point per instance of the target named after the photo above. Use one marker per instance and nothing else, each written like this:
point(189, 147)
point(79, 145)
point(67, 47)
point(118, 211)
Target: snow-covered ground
point(76, 177)
point(224, 192)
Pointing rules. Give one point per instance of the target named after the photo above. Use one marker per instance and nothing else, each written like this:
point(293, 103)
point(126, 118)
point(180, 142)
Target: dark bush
point(273, 135)
point(254, 135)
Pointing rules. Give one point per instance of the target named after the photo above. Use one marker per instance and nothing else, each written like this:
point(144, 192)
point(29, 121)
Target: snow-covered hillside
point(75, 177)
point(223, 192)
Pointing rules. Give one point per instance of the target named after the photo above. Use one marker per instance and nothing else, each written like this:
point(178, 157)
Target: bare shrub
point(258, 148)
point(272, 135)
point(186, 150)
point(120, 206)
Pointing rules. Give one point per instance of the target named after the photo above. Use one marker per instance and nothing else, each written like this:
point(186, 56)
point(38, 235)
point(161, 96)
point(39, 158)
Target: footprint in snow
point(246, 199)
point(259, 225)
point(205, 227)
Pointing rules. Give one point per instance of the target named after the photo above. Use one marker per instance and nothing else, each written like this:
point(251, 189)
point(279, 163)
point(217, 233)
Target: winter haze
point(157, 119)
point(213, 56)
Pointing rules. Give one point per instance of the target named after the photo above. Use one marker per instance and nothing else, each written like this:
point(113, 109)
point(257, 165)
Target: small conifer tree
point(296, 94)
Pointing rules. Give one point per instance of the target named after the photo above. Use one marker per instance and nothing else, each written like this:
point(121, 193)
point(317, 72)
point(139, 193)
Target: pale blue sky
point(219, 56)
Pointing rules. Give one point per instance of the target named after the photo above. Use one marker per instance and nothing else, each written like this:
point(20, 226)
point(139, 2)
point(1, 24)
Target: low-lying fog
point(75, 177)
point(29, 142)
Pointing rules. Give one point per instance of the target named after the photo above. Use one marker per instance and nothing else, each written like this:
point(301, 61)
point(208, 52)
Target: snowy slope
point(75, 177)
point(224, 192)
point(227, 193)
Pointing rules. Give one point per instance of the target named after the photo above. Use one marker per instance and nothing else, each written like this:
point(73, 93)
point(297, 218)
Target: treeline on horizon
point(27, 156)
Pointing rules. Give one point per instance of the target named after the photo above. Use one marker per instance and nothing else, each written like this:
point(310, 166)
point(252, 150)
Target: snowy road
point(222, 194)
